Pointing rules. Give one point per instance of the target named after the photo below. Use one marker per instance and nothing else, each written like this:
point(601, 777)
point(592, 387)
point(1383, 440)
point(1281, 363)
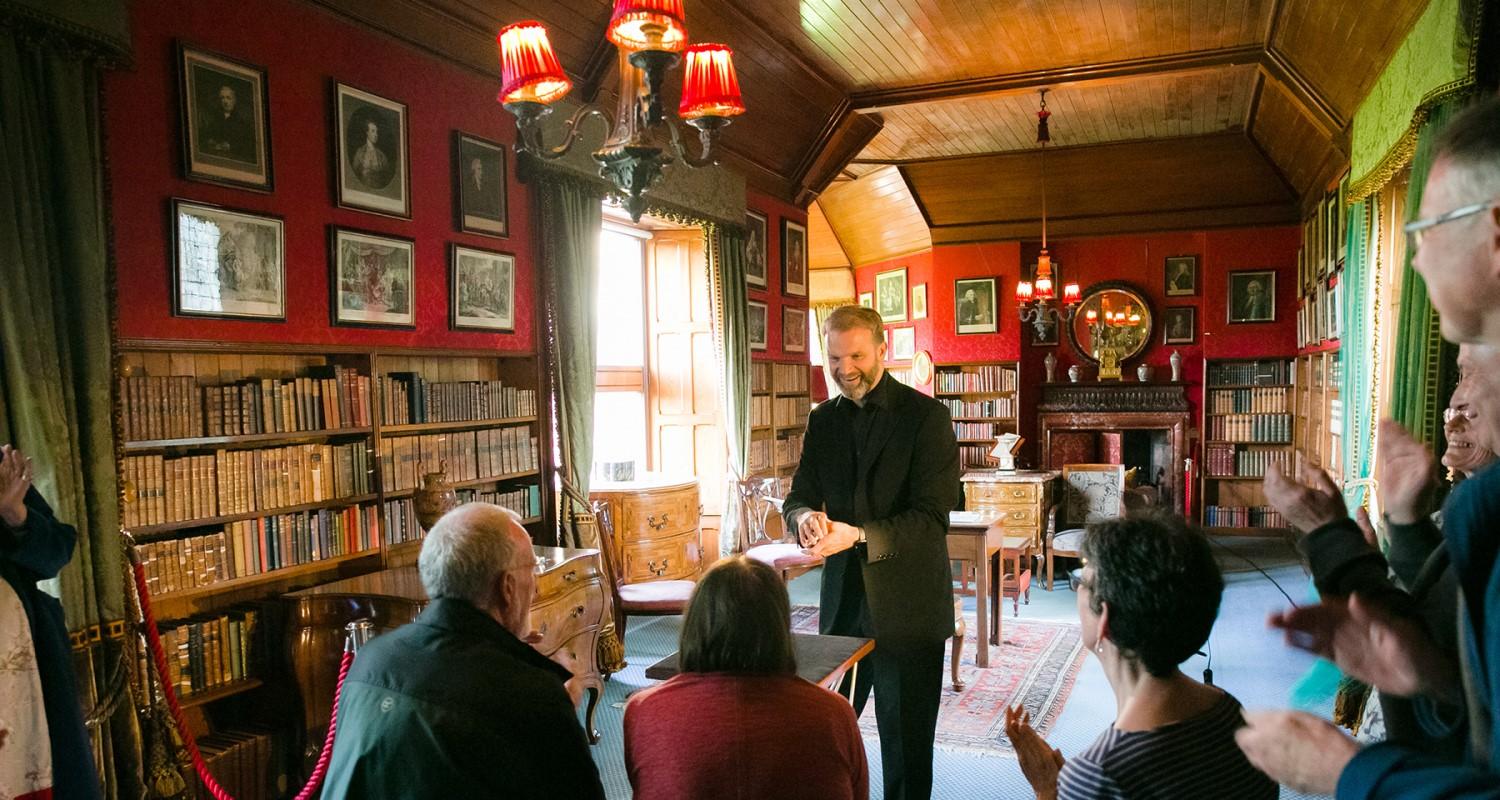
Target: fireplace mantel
point(1118, 406)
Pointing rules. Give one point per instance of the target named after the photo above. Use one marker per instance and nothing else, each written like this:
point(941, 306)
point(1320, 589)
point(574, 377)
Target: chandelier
point(651, 38)
point(1034, 300)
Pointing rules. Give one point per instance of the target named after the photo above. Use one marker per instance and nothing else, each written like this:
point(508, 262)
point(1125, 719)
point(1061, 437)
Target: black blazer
point(900, 492)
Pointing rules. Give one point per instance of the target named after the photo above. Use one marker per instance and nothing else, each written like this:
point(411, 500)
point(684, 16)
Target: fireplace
point(1142, 425)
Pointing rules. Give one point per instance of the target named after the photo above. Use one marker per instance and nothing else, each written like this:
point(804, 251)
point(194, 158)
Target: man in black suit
point(878, 476)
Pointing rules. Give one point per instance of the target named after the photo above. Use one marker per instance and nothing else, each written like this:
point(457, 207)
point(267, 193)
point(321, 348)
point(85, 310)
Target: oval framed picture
point(921, 368)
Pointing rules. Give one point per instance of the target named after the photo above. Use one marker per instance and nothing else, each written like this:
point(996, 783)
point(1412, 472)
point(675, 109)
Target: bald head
point(475, 553)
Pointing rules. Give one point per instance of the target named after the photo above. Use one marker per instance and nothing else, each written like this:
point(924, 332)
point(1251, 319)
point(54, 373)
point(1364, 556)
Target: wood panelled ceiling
point(824, 250)
point(839, 91)
point(877, 217)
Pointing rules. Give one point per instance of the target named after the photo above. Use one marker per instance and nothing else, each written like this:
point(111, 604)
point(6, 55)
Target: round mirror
point(1114, 316)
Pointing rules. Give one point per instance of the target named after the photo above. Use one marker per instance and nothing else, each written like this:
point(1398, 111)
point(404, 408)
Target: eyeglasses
point(1416, 230)
point(1450, 414)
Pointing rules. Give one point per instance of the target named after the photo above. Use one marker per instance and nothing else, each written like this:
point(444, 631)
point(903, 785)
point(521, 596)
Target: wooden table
point(975, 537)
point(821, 659)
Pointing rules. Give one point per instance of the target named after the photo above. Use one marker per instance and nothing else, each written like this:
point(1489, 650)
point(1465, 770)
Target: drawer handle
point(543, 630)
point(1017, 492)
point(1018, 515)
point(571, 575)
point(651, 520)
point(658, 571)
point(577, 612)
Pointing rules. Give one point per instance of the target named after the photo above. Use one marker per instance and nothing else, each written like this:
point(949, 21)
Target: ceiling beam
point(1036, 79)
point(846, 133)
point(1307, 99)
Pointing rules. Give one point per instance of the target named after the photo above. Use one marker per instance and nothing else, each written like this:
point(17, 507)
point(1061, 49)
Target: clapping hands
point(1307, 507)
point(1040, 763)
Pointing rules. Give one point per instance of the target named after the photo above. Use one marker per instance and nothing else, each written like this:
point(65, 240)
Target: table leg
point(853, 681)
point(981, 600)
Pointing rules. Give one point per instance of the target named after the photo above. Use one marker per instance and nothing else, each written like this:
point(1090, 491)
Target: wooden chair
point(760, 496)
point(1091, 493)
point(647, 599)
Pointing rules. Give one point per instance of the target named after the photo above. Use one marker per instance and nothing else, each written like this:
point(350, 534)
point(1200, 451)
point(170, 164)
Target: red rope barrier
point(159, 660)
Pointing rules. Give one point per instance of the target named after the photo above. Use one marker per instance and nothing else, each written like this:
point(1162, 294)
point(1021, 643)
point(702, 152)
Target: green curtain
point(1426, 371)
point(726, 270)
point(568, 220)
point(56, 362)
point(1357, 387)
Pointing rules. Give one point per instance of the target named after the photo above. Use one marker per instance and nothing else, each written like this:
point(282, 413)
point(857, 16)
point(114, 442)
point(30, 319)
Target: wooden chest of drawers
point(656, 527)
point(1021, 498)
point(568, 612)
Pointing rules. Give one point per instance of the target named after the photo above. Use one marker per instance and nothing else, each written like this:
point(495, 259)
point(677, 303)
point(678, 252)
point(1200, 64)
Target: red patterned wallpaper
point(302, 50)
point(775, 211)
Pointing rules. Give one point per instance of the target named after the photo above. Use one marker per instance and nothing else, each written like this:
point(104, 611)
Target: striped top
point(1195, 758)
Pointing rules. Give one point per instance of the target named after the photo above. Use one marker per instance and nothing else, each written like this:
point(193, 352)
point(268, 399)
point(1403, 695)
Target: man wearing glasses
point(457, 703)
point(1456, 247)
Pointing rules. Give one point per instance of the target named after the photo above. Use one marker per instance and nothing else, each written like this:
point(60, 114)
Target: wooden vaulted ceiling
point(1166, 113)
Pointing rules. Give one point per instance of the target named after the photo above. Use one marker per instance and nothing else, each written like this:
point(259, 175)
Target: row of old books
point(1242, 517)
point(256, 546)
point(759, 454)
point(401, 519)
point(760, 411)
point(249, 763)
point(408, 398)
point(994, 378)
point(789, 449)
point(1251, 428)
point(1227, 461)
point(998, 407)
point(243, 481)
point(1249, 373)
point(974, 430)
point(791, 377)
point(1262, 400)
point(791, 411)
point(207, 653)
point(760, 376)
point(176, 407)
point(467, 455)
point(975, 455)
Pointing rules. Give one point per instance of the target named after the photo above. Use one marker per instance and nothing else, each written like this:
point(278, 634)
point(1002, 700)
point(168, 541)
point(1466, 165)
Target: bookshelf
point(984, 399)
point(1250, 422)
point(1320, 440)
point(779, 405)
point(256, 469)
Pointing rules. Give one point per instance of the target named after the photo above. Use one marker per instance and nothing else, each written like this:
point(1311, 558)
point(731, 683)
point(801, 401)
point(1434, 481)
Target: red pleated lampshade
point(529, 70)
point(648, 25)
point(709, 86)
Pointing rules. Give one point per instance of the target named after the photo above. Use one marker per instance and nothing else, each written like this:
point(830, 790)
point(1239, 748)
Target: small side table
point(1016, 556)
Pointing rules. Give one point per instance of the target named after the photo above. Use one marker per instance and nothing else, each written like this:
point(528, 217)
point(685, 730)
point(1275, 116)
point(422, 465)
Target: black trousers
point(907, 677)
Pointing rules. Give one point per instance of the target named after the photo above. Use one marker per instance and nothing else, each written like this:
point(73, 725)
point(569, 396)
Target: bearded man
point(878, 476)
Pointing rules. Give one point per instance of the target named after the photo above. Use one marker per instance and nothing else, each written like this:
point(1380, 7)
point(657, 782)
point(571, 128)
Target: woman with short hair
point(1147, 601)
point(737, 722)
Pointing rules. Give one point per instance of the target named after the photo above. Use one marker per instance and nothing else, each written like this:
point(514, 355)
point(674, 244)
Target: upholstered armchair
point(1090, 493)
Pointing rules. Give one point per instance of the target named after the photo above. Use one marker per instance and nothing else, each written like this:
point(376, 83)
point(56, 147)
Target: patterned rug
point(1037, 667)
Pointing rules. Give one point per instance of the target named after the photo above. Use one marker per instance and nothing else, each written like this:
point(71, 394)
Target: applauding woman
point(1149, 596)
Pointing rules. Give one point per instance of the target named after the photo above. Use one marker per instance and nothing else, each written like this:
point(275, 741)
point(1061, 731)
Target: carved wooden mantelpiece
point(1121, 406)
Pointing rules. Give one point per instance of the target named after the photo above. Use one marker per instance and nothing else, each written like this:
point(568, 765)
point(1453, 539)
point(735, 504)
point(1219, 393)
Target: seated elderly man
point(457, 704)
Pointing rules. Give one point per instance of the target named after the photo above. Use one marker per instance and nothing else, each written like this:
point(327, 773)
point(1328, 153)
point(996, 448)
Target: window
point(620, 347)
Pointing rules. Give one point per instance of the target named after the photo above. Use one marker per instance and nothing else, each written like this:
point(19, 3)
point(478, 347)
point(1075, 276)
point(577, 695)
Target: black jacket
point(899, 486)
point(454, 705)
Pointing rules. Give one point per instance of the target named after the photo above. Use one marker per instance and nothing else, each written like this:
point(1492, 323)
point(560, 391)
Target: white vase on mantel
point(1074, 373)
point(1176, 360)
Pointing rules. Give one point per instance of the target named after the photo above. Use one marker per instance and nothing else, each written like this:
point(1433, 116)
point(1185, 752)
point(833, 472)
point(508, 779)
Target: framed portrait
point(755, 249)
point(479, 185)
point(482, 290)
point(1051, 337)
point(867, 299)
point(1343, 217)
point(919, 301)
point(1179, 325)
point(903, 343)
point(757, 325)
point(227, 263)
point(793, 329)
point(370, 146)
point(1252, 296)
point(372, 282)
point(974, 305)
point(890, 295)
point(1182, 276)
point(226, 120)
point(1330, 231)
point(793, 259)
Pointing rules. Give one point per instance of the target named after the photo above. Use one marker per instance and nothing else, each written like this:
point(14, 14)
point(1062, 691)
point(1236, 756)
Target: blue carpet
point(1249, 661)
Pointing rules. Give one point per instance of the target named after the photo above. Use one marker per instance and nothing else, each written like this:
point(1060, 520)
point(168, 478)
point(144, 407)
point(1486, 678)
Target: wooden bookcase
point(256, 469)
point(984, 398)
point(779, 405)
point(1249, 422)
point(1320, 438)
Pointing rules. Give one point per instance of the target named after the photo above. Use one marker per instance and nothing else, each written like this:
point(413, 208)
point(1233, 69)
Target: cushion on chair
point(656, 596)
point(783, 555)
point(1068, 541)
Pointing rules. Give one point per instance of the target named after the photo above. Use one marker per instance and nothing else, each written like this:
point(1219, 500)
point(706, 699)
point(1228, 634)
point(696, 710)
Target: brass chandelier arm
point(706, 137)
point(529, 128)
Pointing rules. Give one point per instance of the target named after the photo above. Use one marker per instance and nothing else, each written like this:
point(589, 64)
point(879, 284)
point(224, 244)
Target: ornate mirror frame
point(1136, 295)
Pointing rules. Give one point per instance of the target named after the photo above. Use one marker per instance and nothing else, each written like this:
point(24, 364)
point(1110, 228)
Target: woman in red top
point(737, 722)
